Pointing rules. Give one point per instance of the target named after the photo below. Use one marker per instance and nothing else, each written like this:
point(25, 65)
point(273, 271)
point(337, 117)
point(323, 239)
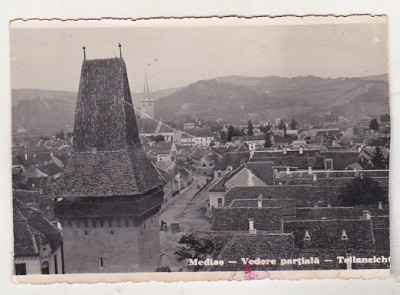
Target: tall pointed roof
point(104, 115)
point(108, 159)
point(146, 90)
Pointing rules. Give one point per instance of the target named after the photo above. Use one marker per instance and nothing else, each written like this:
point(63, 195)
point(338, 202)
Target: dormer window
point(344, 236)
point(307, 236)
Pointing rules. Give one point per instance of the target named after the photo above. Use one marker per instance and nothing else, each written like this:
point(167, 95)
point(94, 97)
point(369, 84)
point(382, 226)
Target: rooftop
point(108, 159)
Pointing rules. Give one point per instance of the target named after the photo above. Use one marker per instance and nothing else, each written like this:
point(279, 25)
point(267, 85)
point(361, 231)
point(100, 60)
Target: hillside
point(235, 99)
point(242, 98)
point(44, 112)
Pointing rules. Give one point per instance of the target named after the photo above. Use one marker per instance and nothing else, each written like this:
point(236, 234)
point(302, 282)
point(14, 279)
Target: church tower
point(109, 196)
point(147, 103)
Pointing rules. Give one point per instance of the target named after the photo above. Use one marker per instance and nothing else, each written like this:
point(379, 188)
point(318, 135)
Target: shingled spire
point(108, 159)
point(146, 91)
point(104, 116)
point(146, 103)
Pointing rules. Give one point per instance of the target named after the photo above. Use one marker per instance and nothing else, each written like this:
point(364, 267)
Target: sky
point(51, 58)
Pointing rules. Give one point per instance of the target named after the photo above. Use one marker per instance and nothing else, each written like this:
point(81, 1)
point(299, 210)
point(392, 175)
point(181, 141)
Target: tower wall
point(84, 246)
point(122, 245)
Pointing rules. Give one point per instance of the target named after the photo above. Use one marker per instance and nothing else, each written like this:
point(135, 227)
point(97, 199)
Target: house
point(197, 136)
point(247, 175)
point(189, 124)
point(37, 242)
point(166, 154)
point(204, 160)
point(249, 139)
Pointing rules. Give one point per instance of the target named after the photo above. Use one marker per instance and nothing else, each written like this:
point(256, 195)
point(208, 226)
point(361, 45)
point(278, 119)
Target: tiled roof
point(104, 118)
point(262, 170)
point(24, 240)
point(107, 174)
point(37, 182)
point(341, 159)
point(288, 205)
point(219, 185)
point(273, 192)
point(199, 153)
point(35, 159)
point(289, 153)
point(327, 234)
point(232, 159)
point(222, 150)
point(108, 159)
point(26, 197)
point(382, 238)
point(317, 213)
point(50, 169)
point(34, 230)
point(266, 218)
point(380, 221)
point(264, 245)
point(164, 147)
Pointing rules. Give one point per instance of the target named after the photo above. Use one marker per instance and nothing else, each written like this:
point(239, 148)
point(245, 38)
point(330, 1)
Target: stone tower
point(147, 103)
point(110, 194)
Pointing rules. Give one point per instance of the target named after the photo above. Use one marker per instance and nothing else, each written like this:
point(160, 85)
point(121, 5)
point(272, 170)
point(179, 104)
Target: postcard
point(200, 149)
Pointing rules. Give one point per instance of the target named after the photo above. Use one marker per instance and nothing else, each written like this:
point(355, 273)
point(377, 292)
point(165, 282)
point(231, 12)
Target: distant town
point(276, 189)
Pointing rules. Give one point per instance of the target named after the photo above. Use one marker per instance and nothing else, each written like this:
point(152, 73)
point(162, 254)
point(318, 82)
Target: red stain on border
point(250, 275)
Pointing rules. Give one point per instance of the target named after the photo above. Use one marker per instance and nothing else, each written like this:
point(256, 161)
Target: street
point(190, 216)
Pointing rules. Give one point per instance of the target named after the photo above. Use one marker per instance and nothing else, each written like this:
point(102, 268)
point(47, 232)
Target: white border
point(150, 8)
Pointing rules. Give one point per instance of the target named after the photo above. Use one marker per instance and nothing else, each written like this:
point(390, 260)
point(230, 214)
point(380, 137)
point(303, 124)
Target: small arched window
point(45, 268)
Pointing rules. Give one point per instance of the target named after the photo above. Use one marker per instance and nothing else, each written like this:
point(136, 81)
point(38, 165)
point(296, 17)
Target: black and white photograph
point(258, 147)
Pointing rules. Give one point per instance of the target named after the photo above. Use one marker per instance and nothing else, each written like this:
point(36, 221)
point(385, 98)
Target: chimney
point(284, 151)
point(329, 206)
point(34, 155)
point(287, 170)
point(259, 201)
point(380, 206)
point(252, 230)
point(348, 259)
point(51, 154)
point(366, 215)
point(300, 150)
point(26, 156)
point(251, 154)
point(310, 170)
point(359, 149)
point(314, 178)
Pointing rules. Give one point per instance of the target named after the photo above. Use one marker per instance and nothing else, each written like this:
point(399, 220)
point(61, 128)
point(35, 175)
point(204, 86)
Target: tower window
point(20, 269)
point(45, 268)
point(101, 262)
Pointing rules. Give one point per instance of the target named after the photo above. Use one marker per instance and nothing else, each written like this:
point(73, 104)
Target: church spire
point(146, 90)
